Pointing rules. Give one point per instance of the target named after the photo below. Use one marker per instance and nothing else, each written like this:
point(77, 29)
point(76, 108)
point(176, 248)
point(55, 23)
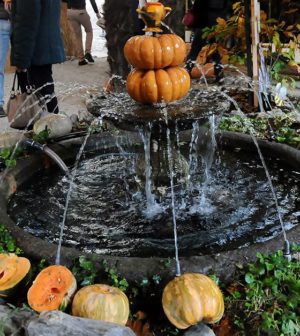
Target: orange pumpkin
point(156, 86)
point(149, 52)
point(139, 325)
point(101, 302)
point(52, 289)
point(207, 70)
point(191, 298)
point(14, 274)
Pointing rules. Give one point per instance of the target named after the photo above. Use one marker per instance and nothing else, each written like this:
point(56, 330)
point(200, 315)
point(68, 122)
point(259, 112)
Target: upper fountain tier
point(120, 109)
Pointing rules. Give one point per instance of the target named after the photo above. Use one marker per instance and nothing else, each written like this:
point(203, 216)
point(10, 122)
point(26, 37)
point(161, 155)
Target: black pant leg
point(41, 77)
point(196, 46)
point(22, 81)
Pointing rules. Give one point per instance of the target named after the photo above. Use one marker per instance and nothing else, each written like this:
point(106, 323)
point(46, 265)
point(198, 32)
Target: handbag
point(25, 108)
point(190, 19)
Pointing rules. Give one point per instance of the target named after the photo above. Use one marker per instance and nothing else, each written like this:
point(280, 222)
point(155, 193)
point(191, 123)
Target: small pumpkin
point(149, 52)
point(191, 298)
point(139, 324)
point(101, 302)
point(156, 86)
point(14, 274)
point(52, 289)
point(207, 70)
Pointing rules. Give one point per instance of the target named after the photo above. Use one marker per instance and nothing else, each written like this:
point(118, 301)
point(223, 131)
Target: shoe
point(2, 112)
point(83, 62)
point(189, 66)
point(89, 58)
point(219, 72)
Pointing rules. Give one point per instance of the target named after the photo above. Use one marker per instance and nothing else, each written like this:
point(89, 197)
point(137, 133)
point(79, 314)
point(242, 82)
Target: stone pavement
point(73, 84)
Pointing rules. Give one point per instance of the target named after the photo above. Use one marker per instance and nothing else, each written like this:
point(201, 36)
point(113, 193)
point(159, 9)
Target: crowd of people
point(24, 24)
point(32, 29)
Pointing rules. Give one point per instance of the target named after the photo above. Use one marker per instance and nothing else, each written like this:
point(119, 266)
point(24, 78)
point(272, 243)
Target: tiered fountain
point(163, 174)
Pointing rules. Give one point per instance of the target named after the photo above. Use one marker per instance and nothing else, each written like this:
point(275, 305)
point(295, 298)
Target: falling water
point(41, 110)
point(167, 27)
point(56, 158)
point(208, 161)
point(171, 174)
point(152, 208)
point(193, 157)
point(69, 193)
point(252, 132)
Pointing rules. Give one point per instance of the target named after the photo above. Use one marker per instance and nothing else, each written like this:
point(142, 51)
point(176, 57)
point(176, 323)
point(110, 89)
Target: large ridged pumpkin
point(14, 274)
point(156, 86)
point(101, 302)
point(191, 298)
point(149, 52)
point(52, 289)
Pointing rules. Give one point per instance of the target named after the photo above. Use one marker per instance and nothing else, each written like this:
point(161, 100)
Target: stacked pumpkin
point(158, 76)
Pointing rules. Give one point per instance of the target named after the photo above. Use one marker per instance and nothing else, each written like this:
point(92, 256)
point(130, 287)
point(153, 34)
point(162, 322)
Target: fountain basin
point(221, 263)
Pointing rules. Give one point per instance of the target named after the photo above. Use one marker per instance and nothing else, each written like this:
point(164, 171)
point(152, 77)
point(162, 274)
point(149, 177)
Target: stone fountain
point(153, 179)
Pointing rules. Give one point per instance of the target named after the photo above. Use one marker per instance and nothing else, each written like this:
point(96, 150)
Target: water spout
point(31, 143)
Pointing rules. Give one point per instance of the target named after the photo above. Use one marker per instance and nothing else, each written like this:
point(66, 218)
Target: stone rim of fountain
point(223, 264)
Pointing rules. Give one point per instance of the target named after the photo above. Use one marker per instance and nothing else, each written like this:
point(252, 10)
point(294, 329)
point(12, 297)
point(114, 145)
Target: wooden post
point(255, 24)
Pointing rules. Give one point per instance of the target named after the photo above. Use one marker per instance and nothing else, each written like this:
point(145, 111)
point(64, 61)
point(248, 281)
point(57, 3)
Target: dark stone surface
point(14, 320)
point(199, 330)
point(134, 268)
point(57, 323)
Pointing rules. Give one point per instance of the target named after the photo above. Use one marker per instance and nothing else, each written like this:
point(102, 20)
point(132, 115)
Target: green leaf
point(249, 278)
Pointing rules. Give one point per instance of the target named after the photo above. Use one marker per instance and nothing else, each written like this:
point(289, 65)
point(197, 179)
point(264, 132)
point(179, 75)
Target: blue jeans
point(4, 46)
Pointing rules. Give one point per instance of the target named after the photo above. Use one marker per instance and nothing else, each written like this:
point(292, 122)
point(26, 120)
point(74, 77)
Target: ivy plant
point(266, 300)
point(7, 242)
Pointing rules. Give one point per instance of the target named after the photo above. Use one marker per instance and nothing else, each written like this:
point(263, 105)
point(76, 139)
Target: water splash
point(252, 134)
point(171, 175)
point(208, 161)
point(152, 207)
point(69, 193)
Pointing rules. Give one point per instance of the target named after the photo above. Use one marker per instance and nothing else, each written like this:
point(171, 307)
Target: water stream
point(69, 193)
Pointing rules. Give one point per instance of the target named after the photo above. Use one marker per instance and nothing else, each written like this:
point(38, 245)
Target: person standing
point(206, 13)
point(36, 44)
point(5, 29)
point(78, 16)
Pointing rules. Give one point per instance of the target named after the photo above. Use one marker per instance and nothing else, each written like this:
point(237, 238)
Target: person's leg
point(40, 76)
point(196, 46)
point(85, 21)
point(74, 19)
point(4, 46)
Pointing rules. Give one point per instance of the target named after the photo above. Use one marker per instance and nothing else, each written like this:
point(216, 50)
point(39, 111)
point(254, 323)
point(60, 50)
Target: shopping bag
point(25, 108)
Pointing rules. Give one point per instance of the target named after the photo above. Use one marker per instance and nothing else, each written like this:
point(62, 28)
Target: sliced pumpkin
point(13, 270)
point(52, 289)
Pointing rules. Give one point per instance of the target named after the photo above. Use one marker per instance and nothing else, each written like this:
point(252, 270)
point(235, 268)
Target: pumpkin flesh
point(52, 289)
point(191, 298)
point(13, 270)
point(101, 302)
